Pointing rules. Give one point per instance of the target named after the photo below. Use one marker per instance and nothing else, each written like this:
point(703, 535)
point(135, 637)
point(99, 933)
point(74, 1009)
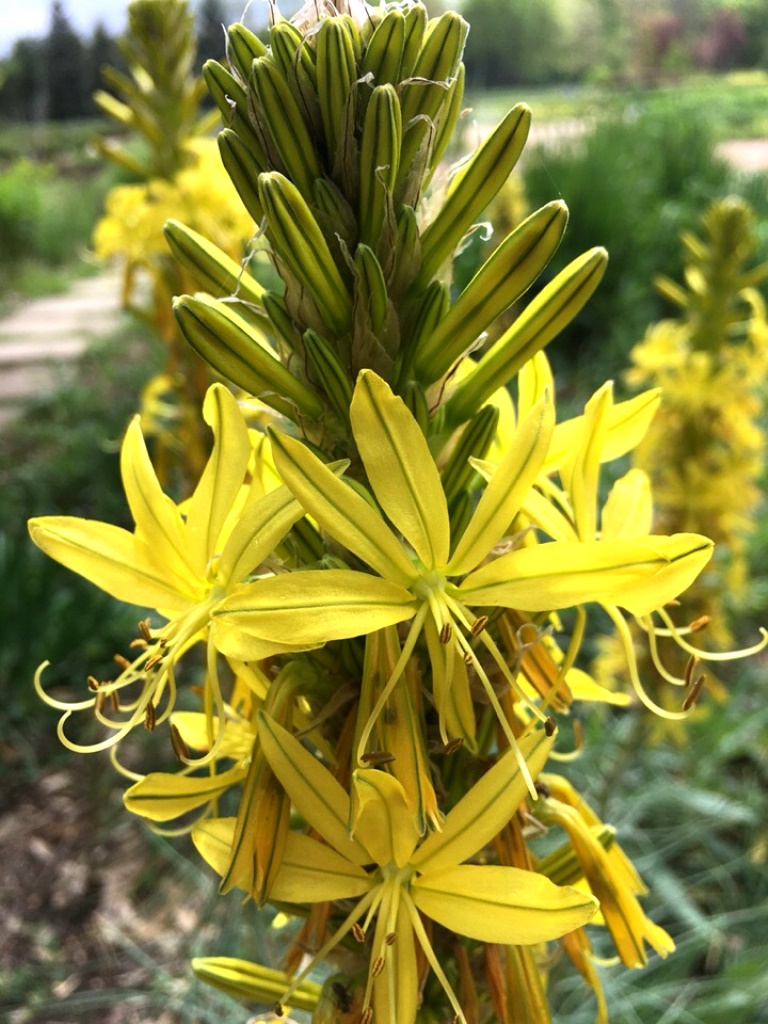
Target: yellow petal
point(158, 522)
point(381, 816)
point(162, 796)
point(112, 559)
point(638, 575)
point(400, 467)
point(312, 872)
point(213, 841)
point(485, 809)
point(341, 511)
point(316, 606)
point(628, 510)
point(580, 471)
point(506, 491)
point(317, 796)
point(258, 531)
point(237, 741)
point(221, 479)
point(492, 903)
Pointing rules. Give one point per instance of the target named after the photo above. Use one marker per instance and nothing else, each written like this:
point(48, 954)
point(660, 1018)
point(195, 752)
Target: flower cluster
point(376, 575)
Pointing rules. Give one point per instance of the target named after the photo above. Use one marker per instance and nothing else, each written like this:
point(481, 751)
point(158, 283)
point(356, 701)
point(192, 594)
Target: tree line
point(54, 78)
point(618, 42)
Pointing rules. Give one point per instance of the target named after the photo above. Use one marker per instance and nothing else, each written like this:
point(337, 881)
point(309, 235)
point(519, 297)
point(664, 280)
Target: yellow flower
point(180, 560)
point(395, 877)
point(426, 576)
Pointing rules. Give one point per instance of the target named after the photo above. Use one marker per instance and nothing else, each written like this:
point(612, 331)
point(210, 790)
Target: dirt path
point(40, 341)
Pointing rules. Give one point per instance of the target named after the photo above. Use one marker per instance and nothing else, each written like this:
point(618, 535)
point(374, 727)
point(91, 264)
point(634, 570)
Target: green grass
point(735, 105)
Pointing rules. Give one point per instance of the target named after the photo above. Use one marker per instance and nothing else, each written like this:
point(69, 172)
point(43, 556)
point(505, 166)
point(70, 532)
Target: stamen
point(358, 933)
point(378, 966)
point(453, 745)
point(180, 748)
point(390, 938)
point(367, 1015)
point(278, 1010)
point(138, 642)
point(429, 953)
point(550, 726)
point(446, 632)
point(692, 697)
point(377, 757)
point(150, 717)
point(153, 660)
point(743, 652)
point(479, 625)
point(121, 661)
point(94, 684)
point(700, 623)
point(101, 700)
point(145, 631)
point(689, 670)
point(115, 698)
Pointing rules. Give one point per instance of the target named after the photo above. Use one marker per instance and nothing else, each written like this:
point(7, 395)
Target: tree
point(512, 41)
point(66, 96)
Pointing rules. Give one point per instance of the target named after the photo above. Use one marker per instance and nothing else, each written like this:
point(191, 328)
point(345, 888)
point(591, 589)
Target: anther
point(180, 748)
point(149, 717)
point(278, 1010)
point(700, 623)
point(390, 938)
point(453, 745)
point(446, 632)
point(542, 789)
point(692, 697)
point(550, 726)
point(94, 684)
point(377, 757)
point(378, 966)
point(115, 698)
point(479, 625)
point(138, 642)
point(689, 670)
point(121, 661)
point(468, 658)
point(367, 1015)
point(358, 932)
point(101, 699)
point(145, 630)
point(150, 663)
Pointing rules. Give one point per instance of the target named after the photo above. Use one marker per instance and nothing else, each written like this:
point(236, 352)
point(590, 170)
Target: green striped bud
point(232, 100)
point(332, 378)
point(506, 274)
point(210, 267)
point(416, 401)
point(288, 131)
point(241, 354)
point(472, 188)
point(244, 980)
point(474, 442)
point(421, 322)
point(243, 170)
point(385, 50)
point(281, 320)
point(379, 160)
point(244, 48)
point(299, 242)
point(436, 66)
point(415, 29)
point(448, 118)
point(542, 320)
point(371, 288)
point(336, 73)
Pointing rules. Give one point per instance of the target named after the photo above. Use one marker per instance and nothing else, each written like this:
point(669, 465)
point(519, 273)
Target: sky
point(32, 18)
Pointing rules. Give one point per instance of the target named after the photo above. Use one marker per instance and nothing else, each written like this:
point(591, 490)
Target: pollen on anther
point(390, 938)
point(479, 625)
point(149, 717)
point(367, 1015)
point(378, 757)
point(468, 657)
point(121, 661)
point(94, 684)
point(692, 697)
point(378, 966)
point(144, 629)
point(700, 623)
point(179, 746)
point(446, 632)
point(358, 932)
point(150, 663)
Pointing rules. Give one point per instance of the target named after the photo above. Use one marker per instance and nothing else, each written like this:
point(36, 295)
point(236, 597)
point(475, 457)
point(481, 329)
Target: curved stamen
point(743, 652)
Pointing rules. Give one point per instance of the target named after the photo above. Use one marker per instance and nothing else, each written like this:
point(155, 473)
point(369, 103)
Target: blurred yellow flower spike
point(394, 876)
point(426, 576)
point(180, 560)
